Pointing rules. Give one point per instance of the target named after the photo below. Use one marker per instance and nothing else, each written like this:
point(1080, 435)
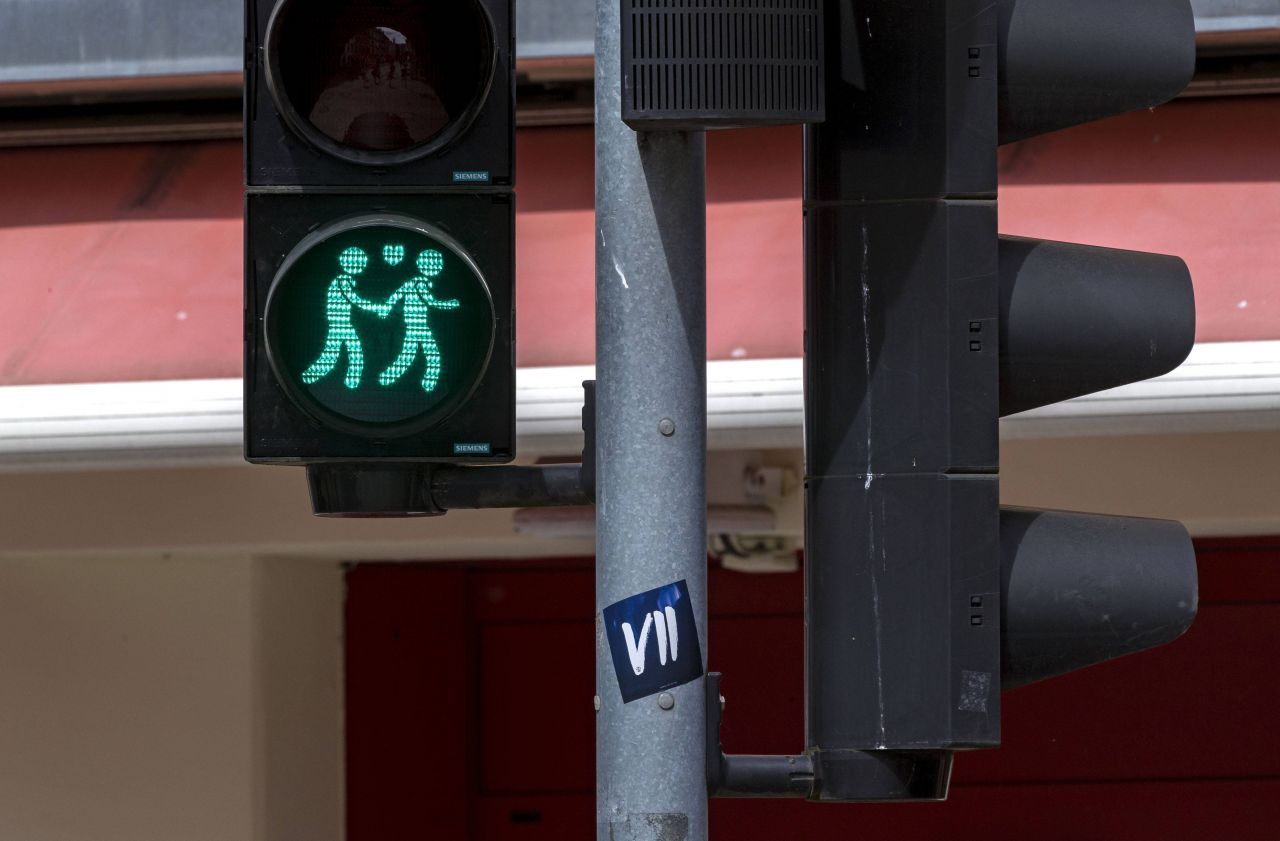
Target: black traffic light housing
point(923, 327)
point(379, 244)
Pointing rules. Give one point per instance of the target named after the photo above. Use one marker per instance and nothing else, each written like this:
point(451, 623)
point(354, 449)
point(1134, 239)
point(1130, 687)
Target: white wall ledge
point(752, 404)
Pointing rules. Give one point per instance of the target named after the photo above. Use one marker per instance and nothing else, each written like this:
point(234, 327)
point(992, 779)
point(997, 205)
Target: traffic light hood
point(1080, 589)
point(1075, 319)
point(1062, 64)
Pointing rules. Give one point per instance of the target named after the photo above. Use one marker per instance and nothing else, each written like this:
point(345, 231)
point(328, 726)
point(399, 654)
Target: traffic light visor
point(1067, 63)
point(1079, 589)
point(379, 81)
point(379, 325)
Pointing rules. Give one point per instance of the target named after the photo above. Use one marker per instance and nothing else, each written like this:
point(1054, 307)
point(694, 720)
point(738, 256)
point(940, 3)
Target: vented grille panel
point(696, 63)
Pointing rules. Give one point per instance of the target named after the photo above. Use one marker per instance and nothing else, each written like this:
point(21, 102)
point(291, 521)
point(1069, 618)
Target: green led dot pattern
point(417, 300)
point(340, 299)
point(380, 326)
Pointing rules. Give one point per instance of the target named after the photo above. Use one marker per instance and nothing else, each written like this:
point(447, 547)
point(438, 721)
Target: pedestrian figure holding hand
point(340, 298)
point(418, 303)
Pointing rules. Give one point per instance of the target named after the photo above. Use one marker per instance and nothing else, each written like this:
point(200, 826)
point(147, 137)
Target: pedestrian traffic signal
point(923, 328)
point(379, 237)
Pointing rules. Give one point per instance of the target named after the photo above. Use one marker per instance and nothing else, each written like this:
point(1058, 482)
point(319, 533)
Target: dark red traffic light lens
point(380, 81)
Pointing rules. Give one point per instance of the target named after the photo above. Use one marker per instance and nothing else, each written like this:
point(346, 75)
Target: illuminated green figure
point(339, 300)
point(418, 303)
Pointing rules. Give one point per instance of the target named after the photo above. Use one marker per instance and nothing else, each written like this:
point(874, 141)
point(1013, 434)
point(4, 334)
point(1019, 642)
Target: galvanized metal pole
point(650, 453)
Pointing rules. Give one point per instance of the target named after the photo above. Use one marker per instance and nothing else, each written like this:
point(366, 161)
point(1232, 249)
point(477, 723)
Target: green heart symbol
point(393, 254)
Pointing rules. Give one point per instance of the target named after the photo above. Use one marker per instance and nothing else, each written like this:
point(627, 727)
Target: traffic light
point(924, 327)
point(379, 238)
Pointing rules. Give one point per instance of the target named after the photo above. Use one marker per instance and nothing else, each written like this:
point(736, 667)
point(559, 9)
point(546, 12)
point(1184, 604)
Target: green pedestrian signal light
point(379, 325)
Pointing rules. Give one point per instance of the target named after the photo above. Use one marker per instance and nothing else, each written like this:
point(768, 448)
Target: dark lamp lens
point(381, 76)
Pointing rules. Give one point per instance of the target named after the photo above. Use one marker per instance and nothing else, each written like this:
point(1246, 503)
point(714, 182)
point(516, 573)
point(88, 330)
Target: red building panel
point(124, 262)
point(408, 684)
point(1169, 744)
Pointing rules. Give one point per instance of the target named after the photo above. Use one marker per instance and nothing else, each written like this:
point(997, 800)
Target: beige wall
point(159, 699)
point(1216, 484)
point(258, 511)
point(297, 691)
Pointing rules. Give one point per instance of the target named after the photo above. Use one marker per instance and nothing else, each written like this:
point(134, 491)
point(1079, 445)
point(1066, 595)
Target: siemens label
point(477, 177)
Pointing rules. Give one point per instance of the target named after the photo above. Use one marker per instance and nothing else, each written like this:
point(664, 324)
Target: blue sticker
point(653, 640)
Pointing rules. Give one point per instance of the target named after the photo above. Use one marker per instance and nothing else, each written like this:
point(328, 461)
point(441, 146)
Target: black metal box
point(697, 64)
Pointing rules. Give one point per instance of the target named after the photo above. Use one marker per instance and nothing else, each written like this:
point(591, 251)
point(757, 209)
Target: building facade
point(189, 653)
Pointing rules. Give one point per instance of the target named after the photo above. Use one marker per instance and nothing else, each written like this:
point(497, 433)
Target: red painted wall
point(469, 716)
point(124, 262)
